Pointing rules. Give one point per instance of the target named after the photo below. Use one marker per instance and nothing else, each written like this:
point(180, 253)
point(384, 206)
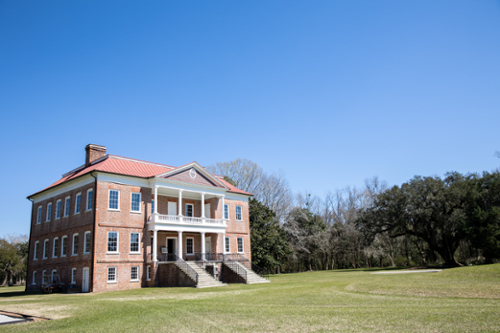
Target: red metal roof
point(127, 166)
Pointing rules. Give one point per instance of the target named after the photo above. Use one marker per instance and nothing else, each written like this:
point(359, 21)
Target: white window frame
point(52, 275)
point(192, 209)
point(63, 253)
point(136, 279)
point(138, 242)
point(78, 203)
point(227, 244)
point(33, 279)
point(58, 209)
point(39, 215)
point(91, 201)
point(192, 240)
point(238, 245)
point(115, 273)
point(73, 253)
point(54, 254)
point(73, 275)
point(148, 273)
point(48, 213)
point(132, 201)
point(117, 242)
point(45, 249)
point(67, 204)
point(35, 250)
point(241, 213)
point(85, 250)
point(118, 200)
point(44, 275)
point(226, 211)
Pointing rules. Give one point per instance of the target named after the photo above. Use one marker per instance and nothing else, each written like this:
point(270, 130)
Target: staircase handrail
point(263, 273)
point(183, 265)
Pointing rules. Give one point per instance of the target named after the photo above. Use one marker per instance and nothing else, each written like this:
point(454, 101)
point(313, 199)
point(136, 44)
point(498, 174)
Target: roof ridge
point(140, 161)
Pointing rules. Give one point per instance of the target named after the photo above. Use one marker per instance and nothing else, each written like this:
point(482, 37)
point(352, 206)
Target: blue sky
point(330, 92)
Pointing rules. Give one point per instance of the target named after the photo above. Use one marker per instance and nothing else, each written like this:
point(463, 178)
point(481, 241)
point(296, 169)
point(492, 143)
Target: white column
point(180, 245)
point(180, 203)
point(155, 256)
point(156, 200)
point(203, 207)
point(203, 250)
point(223, 210)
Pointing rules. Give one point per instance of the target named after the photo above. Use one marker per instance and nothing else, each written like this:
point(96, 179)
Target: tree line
point(13, 259)
point(427, 221)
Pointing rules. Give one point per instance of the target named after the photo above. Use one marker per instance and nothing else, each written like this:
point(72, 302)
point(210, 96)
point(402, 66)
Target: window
point(111, 274)
point(152, 206)
point(148, 273)
point(134, 273)
point(34, 278)
point(114, 199)
point(64, 246)
point(240, 245)
point(134, 242)
point(39, 215)
point(78, 202)
point(75, 245)
point(189, 246)
point(73, 276)
point(135, 205)
point(55, 248)
point(49, 211)
point(227, 245)
point(67, 202)
point(238, 213)
point(189, 210)
point(58, 209)
point(90, 198)
point(35, 252)
point(226, 212)
point(112, 241)
point(43, 277)
point(46, 249)
point(53, 278)
point(86, 245)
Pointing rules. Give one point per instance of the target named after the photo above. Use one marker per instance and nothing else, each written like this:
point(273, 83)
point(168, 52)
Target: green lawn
point(456, 300)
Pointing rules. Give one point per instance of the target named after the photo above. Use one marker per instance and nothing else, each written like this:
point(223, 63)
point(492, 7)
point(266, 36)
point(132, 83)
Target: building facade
point(113, 222)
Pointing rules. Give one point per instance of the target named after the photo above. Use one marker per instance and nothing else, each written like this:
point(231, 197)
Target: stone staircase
point(249, 275)
point(205, 280)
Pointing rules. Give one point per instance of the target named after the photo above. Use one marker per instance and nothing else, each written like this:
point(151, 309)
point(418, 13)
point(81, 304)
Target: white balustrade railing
point(184, 219)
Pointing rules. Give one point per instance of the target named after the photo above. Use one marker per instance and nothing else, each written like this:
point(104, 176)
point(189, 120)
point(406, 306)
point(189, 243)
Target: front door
point(85, 280)
point(171, 249)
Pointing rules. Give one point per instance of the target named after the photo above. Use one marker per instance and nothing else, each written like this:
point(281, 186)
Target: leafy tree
point(12, 260)
point(268, 240)
point(426, 207)
point(482, 226)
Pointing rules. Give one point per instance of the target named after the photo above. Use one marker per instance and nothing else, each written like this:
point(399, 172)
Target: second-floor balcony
point(179, 219)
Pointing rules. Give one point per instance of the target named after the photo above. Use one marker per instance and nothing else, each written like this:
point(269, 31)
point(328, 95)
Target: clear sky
point(330, 92)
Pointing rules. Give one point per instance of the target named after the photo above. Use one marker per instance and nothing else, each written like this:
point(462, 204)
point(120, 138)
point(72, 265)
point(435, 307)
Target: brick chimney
point(93, 152)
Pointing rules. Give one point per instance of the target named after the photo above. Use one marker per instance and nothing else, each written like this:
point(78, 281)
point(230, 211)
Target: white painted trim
point(237, 197)
point(63, 253)
point(186, 210)
point(85, 242)
point(109, 200)
point(236, 213)
point(123, 179)
point(58, 202)
point(140, 201)
point(68, 205)
point(138, 245)
point(78, 204)
point(48, 212)
point(62, 188)
point(73, 245)
point(54, 254)
point(116, 274)
point(138, 272)
point(198, 168)
point(87, 209)
point(177, 185)
point(117, 243)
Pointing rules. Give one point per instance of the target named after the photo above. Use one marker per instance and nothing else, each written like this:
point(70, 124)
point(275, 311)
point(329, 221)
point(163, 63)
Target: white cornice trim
point(64, 187)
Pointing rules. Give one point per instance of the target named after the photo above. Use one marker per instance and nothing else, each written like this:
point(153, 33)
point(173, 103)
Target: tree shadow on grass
point(17, 294)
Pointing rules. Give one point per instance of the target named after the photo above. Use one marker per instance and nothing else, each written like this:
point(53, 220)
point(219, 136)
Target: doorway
point(85, 280)
point(171, 249)
point(208, 245)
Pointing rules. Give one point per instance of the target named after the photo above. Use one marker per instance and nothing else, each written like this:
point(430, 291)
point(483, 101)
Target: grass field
point(455, 300)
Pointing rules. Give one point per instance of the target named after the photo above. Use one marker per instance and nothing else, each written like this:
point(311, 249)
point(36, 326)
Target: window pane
point(49, 210)
point(189, 210)
point(240, 244)
point(66, 206)
point(77, 204)
point(58, 209)
point(238, 212)
point(189, 246)
point(112, 241)
point(64, 246)
point(87, 242)
point(136, 200)
point(134, 273)
point(90, 198)
point(113, 199)
point(134, 242)
point(226, 212)
point(75, 244)
point(112, 274)
point(228, 249)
